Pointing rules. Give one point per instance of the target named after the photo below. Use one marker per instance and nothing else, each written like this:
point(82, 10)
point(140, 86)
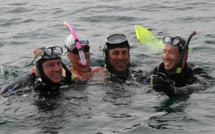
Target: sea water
point(99, 108)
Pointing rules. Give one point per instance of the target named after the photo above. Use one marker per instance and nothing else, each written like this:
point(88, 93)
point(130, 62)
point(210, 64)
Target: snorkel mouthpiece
point(80, 51)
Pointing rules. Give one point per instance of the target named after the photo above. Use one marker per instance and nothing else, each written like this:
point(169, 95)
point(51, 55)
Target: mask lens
point(116, 38)
point(171, 40)
point(84, 42)
point(52, 52)
point(175, 41)
point(86, 48)
point(58, 50)
point(70, 42)
point(47, 51)
point(75, 51)
point(167, 40)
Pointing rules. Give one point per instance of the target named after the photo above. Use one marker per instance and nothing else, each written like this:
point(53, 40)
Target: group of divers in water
point(173, 76)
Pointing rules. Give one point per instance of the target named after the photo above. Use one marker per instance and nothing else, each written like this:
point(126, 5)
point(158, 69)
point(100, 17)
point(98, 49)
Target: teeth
point(57, 74)
point(167, 62)
point(121, 63)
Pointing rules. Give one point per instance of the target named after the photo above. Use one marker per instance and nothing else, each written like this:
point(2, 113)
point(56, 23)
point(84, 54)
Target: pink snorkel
point(81, 53)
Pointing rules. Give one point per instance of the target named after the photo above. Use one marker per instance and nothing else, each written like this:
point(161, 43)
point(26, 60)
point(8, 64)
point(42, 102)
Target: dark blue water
point(98, 108)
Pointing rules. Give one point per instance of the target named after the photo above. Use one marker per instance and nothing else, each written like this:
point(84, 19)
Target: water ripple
point(105, 108)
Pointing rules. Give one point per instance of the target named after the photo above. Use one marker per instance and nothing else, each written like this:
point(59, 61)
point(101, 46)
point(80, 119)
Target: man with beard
point(117, 57)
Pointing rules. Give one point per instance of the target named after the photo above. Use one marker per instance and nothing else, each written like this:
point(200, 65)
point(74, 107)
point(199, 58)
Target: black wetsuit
point(29, 82)
point(193, 78)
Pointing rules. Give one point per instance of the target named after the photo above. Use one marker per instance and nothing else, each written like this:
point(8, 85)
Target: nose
point(57, 67)
point(166, 55)
point(120, 56)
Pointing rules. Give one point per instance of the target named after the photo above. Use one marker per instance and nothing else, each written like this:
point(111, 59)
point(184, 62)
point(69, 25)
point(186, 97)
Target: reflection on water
point(118, 93)
point(171, 107)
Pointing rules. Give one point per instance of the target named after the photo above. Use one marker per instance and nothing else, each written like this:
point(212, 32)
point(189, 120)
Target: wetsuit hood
point(115, 41)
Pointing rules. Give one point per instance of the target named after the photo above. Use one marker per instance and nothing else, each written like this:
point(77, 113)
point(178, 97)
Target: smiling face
point(53, 70)
point(119, 59)
point(170, 58)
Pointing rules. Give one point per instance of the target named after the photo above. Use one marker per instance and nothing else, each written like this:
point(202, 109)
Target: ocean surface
point(97, 108)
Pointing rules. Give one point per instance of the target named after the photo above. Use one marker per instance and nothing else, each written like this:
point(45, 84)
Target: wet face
point(170, 58)
point(75, 58)
point(53, 70)
point(119, 59)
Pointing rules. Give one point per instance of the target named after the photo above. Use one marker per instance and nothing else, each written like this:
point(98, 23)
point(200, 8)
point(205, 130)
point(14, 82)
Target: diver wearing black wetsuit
point(120, 42)
point(39, 82)
point(116, 41)
point(174, 76)
point(191, 79)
